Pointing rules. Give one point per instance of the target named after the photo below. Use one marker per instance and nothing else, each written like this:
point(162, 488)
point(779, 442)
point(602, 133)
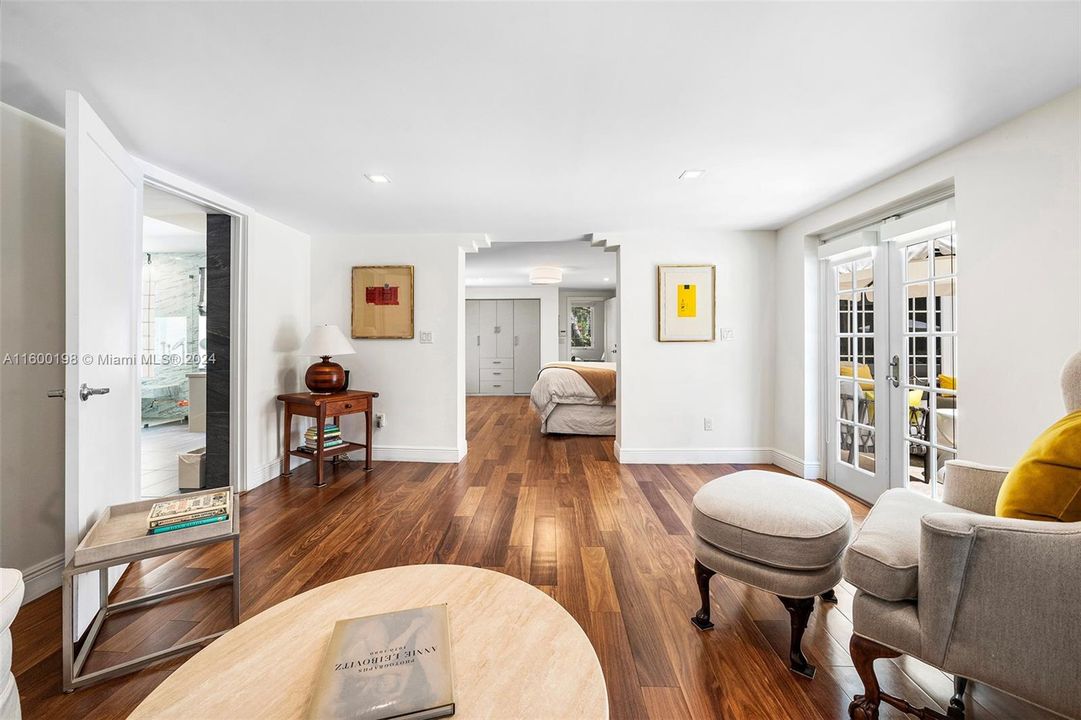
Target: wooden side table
point(321, 407)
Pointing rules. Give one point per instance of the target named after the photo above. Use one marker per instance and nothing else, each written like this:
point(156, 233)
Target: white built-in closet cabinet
point(502, 346)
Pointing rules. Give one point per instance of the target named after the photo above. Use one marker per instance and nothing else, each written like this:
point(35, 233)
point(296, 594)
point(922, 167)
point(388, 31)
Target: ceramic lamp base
point(325, 377)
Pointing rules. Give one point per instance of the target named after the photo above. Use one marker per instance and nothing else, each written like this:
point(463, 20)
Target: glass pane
point(917, 461)
point(863, 273)
point(945, 362)
point(865, 356)
point(916, 308)
point(946, 421)
point(845, 399)
point(844, 277)
point(916, 262)
point(845, 349)
point(865, 312)
point(945, 307)
point(941, 456)
point(945, 256)
point(918, 365)
point(867, 449)
point(581, 326)
point(845, 449)
point(844, 314)
point(916, 414)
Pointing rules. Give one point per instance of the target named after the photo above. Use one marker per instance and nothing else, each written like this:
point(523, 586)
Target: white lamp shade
point(326, 340)
point(545, 276)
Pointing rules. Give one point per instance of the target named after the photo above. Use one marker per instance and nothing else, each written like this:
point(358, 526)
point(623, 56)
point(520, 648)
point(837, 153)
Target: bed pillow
point(1046, 483)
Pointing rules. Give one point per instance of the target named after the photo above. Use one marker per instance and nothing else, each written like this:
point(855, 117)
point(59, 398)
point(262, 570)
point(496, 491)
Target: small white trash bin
point(191, 469)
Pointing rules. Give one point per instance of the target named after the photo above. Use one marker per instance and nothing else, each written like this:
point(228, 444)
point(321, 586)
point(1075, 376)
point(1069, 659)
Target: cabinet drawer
point(497, 387)
point(490, 363)
point(496, 374)
point(346, 407)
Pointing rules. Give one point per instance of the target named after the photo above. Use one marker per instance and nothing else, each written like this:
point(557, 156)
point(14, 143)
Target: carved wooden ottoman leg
point(702, 574)
point(799, 611)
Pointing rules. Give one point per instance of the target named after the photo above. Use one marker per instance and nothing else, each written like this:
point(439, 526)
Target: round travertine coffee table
point(517, 653)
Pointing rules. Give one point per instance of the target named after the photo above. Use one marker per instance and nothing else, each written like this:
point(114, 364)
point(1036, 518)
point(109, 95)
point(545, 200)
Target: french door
point(891, 371)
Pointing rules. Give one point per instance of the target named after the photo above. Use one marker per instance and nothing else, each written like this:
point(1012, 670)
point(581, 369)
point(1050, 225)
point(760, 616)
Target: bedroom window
point(581, 326)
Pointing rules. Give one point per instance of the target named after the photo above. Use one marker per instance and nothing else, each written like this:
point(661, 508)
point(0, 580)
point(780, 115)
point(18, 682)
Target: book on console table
point(395, 665)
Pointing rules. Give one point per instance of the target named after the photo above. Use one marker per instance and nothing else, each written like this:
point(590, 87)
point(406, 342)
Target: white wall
point(667, 389)
point(1018, 205)
point(565, 350)
point(549, 311)
point(279, 318)
point(421, 386)
point(31, 320)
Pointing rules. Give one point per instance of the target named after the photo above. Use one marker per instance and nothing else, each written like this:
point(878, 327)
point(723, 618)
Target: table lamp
point(325, 377)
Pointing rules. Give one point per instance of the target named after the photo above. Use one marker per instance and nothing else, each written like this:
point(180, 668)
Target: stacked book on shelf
point(332, 438)
point(191, 511)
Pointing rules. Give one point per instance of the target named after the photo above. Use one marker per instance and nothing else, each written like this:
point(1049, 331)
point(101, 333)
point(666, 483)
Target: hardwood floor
point(611, 543)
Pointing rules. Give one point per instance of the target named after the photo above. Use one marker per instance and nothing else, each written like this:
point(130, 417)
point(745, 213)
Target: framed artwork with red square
point(383, 302)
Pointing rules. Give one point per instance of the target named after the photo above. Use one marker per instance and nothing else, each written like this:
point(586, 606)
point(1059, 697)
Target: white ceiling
point(507, 264)
point(539, 121)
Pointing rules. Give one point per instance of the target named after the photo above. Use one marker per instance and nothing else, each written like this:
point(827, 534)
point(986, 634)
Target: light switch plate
point(728, 334)
point(426, 337)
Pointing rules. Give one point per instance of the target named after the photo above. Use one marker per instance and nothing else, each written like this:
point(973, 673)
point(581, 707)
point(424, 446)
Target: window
point(581, 326)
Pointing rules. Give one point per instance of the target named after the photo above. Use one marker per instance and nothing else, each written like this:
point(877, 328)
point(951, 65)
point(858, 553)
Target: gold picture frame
point(382, 302)
point(681, 314)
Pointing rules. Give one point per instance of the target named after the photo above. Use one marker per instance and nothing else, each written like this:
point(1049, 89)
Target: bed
point(566, 398)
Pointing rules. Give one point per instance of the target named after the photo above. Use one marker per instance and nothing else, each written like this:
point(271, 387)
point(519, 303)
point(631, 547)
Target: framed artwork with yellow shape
point(686, 303)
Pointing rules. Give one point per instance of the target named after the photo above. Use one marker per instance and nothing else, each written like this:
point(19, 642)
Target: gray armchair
point(994, 600)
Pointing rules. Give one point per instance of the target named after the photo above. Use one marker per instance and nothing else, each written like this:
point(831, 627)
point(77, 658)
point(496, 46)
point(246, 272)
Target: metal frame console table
point(118, 538)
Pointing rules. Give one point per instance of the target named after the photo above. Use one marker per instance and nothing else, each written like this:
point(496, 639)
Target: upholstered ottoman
point(781, 534)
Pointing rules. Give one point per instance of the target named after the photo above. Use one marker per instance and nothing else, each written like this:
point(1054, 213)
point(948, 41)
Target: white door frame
point(238, 306)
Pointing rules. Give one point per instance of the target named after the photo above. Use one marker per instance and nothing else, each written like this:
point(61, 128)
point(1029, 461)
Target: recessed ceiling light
point(692, 174)
point(606, 279)
point(378, 178)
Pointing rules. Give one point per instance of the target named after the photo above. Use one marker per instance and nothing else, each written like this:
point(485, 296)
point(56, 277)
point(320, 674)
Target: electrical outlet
point(380, 420)
point(707, 424)
point(426, 337)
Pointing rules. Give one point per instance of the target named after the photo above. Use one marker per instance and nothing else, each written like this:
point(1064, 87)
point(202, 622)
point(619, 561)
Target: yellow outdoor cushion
point(864, 373)
point(947, 382)
point(1046, 483)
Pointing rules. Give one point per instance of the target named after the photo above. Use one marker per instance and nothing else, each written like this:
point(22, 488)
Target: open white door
point(104, 224)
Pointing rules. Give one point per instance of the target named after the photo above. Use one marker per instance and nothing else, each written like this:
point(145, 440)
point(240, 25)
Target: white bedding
point(560, 387)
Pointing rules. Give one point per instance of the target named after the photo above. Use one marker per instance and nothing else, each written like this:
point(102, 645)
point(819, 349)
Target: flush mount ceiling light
point(692, 174)
point(545, 276)
point(379, 179)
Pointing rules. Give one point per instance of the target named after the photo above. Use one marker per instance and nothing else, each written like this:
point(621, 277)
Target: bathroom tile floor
point(160, 446)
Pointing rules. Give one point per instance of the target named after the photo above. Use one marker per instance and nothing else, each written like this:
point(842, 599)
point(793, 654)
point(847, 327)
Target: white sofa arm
point(973, 487)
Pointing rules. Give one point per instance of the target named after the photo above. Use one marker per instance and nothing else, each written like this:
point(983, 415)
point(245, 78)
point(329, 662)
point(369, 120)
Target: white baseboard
point(795, 465)
point(692, 456)
point(717, 456)
point(42, 577)
point(408, 453)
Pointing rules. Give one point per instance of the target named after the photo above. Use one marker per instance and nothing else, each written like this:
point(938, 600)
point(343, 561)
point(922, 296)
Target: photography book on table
point(395, 665)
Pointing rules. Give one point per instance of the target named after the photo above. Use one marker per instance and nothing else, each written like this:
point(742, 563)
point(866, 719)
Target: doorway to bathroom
point(175, 355)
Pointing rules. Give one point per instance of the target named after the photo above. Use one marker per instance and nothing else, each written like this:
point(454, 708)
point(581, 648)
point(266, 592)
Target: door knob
point(85, 391)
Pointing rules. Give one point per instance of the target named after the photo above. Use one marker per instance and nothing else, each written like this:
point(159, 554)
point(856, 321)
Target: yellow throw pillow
point(1046, 483)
